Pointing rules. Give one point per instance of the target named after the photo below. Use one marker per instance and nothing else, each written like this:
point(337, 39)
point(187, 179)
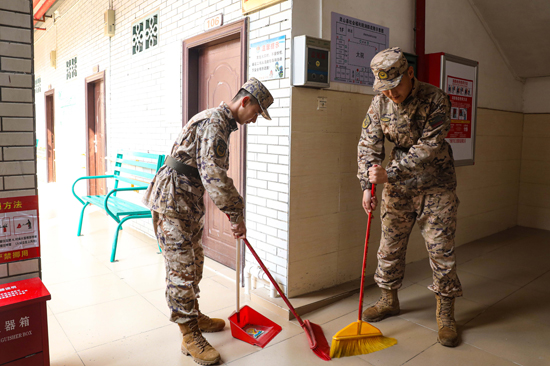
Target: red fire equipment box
point(24, 323)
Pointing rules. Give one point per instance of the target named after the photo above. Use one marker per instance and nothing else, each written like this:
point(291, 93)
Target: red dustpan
point(247, 324)
point(317, 341)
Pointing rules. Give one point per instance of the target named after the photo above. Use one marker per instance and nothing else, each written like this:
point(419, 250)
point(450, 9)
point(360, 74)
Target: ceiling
point(521, 30)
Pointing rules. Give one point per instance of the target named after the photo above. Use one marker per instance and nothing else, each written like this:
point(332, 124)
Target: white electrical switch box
point(311, 62)
point(109, 24)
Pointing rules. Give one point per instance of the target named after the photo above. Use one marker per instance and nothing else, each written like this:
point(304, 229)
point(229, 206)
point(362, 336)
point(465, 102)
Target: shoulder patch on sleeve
point(220, 148)
point(437, 120)
point(366, 122)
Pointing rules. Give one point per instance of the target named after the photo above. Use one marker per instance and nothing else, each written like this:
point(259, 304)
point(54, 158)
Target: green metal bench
point(121, 210)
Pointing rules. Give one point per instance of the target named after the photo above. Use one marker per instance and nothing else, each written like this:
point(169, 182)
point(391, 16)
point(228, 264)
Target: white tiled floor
point(104, 313)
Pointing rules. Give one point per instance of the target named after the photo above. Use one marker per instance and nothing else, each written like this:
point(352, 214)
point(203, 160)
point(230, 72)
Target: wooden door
point(219, 80)
point(95, 133)
point(50, 136)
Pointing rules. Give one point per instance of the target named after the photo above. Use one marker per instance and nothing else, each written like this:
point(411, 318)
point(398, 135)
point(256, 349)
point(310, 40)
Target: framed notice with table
point(458, 77)
point(19, 229)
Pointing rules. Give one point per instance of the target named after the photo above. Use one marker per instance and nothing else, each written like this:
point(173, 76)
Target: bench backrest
point(129, 167)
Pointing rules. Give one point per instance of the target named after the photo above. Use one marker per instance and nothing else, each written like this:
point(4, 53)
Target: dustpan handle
point(361, 289)
point(238, 276)
point(266, 271)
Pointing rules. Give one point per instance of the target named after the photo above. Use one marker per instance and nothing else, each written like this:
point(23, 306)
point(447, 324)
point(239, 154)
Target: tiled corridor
point(109, 314)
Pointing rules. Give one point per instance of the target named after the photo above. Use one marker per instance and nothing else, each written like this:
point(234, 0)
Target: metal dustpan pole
point(237, 279)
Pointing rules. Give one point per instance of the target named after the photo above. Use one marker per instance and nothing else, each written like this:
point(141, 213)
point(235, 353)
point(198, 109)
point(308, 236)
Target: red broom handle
point(361, 290)
point(266, 271)
point(273, 282)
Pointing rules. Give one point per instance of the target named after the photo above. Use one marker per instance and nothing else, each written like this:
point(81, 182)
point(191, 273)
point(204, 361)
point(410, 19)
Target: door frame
point(190, 80)
point(90, 103)
point(50, 176)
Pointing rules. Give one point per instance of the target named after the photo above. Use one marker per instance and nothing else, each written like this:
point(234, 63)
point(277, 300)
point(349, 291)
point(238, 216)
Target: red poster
point(460, 92)
point(19, 234)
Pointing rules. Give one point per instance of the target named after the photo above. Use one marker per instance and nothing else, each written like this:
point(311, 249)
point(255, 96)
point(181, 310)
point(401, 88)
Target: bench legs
point(80, 222)
point(118, 228)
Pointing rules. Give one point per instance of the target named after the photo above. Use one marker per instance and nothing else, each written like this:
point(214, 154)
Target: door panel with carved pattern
point(219, 80)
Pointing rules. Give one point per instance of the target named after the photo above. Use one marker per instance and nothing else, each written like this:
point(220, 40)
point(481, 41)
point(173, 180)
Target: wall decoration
point(37, 84)
point(145, 33)
point(71, 68)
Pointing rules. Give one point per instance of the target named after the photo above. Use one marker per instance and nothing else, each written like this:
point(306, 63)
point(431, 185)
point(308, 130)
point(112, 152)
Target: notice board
point(458, 77)
point(267, 59)
point(354, 42)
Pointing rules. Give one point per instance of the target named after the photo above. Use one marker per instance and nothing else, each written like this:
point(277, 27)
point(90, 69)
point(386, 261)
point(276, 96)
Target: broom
point(360, 337)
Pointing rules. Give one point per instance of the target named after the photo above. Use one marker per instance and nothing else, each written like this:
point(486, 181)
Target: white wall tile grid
point(144, 95)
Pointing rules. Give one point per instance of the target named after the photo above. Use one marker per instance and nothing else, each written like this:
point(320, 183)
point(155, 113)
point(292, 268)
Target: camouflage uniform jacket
point(422, 160)
point(202, 143)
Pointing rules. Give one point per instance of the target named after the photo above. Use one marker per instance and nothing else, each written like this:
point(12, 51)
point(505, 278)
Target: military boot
point(210, 325)
point(445, 314)
point(195, 345)
point(207, 324)
point(387, 305)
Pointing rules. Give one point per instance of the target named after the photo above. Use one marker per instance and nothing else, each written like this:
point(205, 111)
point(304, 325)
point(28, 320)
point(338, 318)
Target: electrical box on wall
point(53, 59)
point(311, 62)
point(109, 18)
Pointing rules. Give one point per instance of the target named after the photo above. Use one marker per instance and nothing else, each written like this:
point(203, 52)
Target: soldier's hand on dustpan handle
point(239, 230)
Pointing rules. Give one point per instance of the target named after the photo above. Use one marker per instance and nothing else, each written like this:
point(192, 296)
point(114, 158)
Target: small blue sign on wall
point(267, 59)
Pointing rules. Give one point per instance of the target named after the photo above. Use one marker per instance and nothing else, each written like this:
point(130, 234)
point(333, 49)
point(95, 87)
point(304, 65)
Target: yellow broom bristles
point(360, 346)
point(359, 338)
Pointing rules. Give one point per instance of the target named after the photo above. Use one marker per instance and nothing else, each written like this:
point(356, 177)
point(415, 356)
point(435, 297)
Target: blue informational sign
point(354, 43)
point(267, 59)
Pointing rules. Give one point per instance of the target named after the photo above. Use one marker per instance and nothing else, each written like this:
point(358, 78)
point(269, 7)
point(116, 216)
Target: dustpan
point(317, 341)
point(247, 324)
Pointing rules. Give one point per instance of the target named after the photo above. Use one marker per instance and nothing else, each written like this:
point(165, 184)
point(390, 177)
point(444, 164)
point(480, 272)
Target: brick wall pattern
point(144, 96)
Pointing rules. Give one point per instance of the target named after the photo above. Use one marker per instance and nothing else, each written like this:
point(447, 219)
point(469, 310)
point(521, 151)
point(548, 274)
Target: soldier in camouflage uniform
point(199, 161)
point(420, 184)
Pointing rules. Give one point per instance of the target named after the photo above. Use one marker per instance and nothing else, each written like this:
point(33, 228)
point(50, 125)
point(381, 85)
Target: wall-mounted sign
point(250, 6)
point(71, 68)
point(213, 22)
point(457, 77)
point(19, 235)
point(354, 43)
point(145, 33)
point(267, 59)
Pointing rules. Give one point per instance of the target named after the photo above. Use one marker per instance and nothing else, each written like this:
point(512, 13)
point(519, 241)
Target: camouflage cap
point(262, 95)
point(388, 67)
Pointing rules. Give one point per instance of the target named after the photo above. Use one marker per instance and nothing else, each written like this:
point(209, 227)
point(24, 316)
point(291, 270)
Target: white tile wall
point(144, 97)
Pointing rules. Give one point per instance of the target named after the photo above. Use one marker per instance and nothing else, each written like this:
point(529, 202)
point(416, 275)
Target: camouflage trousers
point(436, 216)
point(181, 244)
